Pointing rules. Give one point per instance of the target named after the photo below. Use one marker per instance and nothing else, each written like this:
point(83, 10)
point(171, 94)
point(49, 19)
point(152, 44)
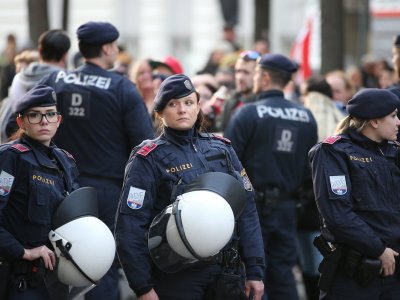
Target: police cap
point(278, 62)
point(372, 103)
point(97, 33)
point(40, 95)
point(173, 87)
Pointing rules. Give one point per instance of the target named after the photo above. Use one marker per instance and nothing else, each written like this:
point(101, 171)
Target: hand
point(48, 256)
point(388, 261)
point(152, 295)
point(257, 287)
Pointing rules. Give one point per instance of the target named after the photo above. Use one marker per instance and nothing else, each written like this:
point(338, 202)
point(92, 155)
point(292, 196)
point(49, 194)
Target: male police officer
point(272, 137)
point(104, 118)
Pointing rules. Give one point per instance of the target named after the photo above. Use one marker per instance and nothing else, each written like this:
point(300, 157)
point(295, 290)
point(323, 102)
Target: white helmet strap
point(64, 251)
point(178, 220)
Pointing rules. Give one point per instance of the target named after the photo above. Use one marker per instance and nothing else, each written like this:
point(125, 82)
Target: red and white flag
point(300, 51)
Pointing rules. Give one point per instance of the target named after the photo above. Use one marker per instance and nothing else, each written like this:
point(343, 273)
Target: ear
point(265, 78)
point(60, 118)
point(20, 122)
point(106, 48)
point(374, 123)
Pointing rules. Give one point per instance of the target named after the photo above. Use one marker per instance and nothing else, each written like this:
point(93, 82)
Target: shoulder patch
point(20, 148)
point(147, 148)
point(68, 154)
point(332, 139)
point(221, 138)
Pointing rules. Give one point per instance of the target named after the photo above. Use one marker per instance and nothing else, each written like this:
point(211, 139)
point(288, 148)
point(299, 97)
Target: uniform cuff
point(143, 291)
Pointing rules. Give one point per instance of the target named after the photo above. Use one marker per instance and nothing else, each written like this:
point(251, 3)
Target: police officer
point(156, 174)
point(35, 176)
point(104, 118)
point(272, 137)
point(356, 175)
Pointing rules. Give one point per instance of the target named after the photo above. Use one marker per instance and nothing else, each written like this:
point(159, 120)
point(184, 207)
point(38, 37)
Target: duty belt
point(270, 197)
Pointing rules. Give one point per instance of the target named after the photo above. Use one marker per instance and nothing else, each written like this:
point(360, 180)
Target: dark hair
point(90, 51)
point(53, 44)
point(278, 77)
point(320, 85)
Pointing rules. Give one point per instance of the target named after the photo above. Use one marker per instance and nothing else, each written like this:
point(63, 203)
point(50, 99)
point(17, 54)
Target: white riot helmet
point(198, 224)
point(83, 244)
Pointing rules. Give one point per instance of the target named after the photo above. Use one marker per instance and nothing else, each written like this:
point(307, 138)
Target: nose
point(181, 108)
point(44, 120)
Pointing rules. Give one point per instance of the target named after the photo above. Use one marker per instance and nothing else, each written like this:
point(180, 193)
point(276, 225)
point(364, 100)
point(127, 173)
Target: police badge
point(246, 181)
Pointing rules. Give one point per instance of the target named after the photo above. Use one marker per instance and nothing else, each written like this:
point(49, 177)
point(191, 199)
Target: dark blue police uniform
point(357, 193)
point(104, 118)
point(272, 137)
point(34, 179)
point(159, 170)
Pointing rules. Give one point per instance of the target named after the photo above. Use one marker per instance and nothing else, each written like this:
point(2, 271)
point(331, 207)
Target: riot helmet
point(83, 244)
point(198, 224)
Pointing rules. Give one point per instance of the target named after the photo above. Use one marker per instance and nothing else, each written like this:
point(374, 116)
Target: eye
point(171, 104)
point(33, 115)
point(51, 114)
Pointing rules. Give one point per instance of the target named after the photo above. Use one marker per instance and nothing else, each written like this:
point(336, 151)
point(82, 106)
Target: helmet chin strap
point(181, 231)
point(64, 250)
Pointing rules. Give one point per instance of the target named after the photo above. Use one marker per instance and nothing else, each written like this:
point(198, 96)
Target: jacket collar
point(270, 93)
point(181, 137)
point(41, 152)
point(365, 142)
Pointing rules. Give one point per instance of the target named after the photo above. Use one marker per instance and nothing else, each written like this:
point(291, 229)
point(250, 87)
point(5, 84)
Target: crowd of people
point(317, 162)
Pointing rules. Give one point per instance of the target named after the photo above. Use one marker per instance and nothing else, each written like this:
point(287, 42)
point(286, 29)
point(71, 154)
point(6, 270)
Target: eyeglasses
point(36, 117)
point(249, 55)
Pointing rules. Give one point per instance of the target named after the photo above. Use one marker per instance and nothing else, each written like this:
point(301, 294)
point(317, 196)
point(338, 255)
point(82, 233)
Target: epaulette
point(20, 148)
point(148, 146)
point(332, 139)
point(221, 138)
point(68, 154)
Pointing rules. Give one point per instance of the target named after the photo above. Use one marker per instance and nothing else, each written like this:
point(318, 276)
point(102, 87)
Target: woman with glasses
point(35, 176)
point(157, 172)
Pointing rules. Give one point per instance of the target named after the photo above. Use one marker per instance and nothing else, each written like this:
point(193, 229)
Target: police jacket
point(104, 117)
point(153, 170)
point(34, 179)
point(272, 137)
point(356, 186)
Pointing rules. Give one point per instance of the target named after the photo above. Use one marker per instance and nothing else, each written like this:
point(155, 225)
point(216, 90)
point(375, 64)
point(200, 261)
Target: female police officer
point(356, 183)
point(157, 170)
point(35, 176)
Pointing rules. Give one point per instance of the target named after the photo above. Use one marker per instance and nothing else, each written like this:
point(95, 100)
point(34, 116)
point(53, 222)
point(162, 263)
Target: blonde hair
point(351, 122)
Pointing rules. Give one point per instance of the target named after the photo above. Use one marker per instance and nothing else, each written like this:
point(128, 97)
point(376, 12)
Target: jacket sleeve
point(132, 222)
point(347, 227)
point(238, 131)
point(251, 244)
point(9, 246)
point(135, 116)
